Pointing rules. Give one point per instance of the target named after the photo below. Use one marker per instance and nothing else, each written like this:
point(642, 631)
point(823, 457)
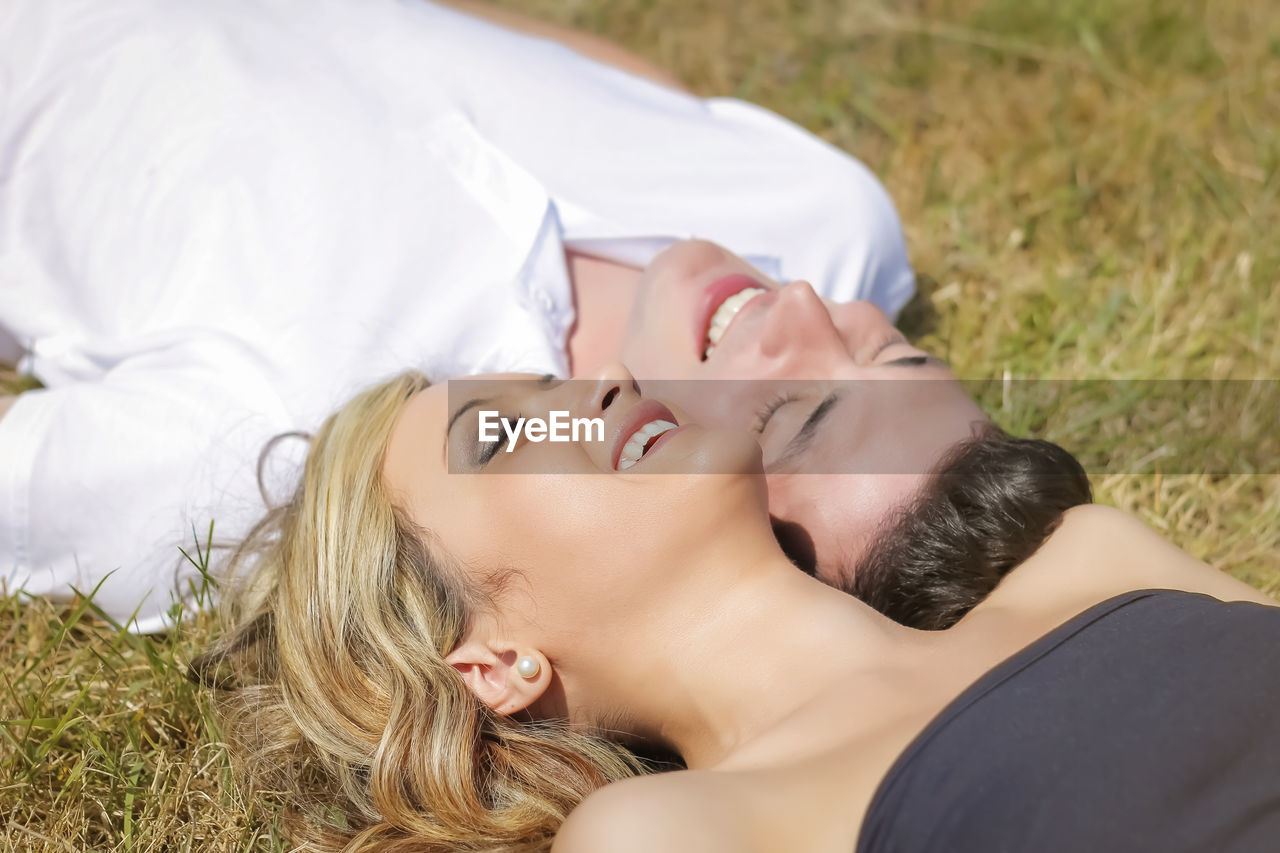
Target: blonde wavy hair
point(330, 684)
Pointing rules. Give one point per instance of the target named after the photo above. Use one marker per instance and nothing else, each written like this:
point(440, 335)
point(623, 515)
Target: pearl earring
point(528, 667)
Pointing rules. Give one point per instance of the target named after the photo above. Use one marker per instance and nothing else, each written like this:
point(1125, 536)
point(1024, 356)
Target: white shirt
point(218, 220)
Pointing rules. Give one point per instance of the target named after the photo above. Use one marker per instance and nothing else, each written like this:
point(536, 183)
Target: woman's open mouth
point(645, 425)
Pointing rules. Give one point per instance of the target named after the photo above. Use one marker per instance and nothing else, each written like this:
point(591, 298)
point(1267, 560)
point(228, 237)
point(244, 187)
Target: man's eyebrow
point(453, 419)
point(804, 436)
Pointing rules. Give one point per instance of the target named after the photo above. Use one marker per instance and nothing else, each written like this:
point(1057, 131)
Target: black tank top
point(1150, 722)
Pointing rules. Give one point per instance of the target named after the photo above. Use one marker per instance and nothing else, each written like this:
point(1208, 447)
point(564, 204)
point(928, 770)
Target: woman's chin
point(720, 470)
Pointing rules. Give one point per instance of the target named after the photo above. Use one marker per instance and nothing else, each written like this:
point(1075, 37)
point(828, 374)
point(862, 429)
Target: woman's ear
point(503, 676)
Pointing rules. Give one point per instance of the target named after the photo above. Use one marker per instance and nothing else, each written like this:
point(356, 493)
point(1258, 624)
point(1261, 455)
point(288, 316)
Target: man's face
point(850, 416)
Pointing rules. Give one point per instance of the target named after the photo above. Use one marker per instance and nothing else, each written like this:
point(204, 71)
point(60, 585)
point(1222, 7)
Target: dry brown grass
point(105, 745)
point(1091, 190)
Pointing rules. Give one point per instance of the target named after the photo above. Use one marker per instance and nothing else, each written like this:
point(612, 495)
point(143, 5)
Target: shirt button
point(545, 301)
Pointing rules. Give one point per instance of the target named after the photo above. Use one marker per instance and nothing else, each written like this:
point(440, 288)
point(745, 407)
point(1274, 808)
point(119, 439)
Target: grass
point(106, 746)
point(1090, 190)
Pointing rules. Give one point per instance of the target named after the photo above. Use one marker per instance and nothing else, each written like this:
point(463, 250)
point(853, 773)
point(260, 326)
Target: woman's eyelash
point(767, 412)
point(489, 449)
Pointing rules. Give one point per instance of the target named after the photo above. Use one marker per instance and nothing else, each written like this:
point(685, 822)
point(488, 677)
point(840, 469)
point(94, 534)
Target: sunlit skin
point(590, 550)
point(867, 450)
point(662, 607)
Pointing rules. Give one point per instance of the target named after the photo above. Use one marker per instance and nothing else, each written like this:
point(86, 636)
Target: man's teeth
point(640, 441)
point(724, 315)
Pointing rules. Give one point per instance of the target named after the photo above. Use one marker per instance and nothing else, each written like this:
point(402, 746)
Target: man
point(885, 478)
point(223, 219)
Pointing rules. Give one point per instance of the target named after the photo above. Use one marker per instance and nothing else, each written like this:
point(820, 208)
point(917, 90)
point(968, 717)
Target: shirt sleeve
point(623, 157)
point(102, 482)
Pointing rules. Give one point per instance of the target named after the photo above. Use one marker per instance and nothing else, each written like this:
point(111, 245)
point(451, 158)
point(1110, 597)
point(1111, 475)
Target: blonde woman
point(447, 646)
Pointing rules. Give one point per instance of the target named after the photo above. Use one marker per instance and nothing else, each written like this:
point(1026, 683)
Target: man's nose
point(798, 321)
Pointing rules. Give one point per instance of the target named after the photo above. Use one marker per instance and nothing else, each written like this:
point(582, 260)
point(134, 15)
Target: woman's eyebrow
point(453, 419)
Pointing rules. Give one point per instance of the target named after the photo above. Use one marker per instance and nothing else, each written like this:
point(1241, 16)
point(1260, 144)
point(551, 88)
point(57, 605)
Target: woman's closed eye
point(485, 450)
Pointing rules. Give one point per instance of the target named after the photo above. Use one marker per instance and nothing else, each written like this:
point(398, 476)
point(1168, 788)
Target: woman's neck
point(727, 672)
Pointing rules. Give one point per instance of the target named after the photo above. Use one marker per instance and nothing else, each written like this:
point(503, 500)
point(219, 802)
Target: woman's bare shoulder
point(1090, 519)
point(1099, 551)
point(679, 811)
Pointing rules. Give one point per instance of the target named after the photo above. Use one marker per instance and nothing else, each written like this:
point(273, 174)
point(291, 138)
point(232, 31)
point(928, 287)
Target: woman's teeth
point(724, 315)
point(640, 441)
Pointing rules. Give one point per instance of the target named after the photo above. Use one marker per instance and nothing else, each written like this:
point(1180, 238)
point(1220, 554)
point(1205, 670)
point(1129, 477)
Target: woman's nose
point(611, 384)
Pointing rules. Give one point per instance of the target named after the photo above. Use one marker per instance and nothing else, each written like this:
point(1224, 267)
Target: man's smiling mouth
point(722, 315)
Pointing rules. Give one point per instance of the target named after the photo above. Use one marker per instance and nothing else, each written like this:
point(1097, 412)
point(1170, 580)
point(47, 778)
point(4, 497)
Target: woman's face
point(578, 532)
